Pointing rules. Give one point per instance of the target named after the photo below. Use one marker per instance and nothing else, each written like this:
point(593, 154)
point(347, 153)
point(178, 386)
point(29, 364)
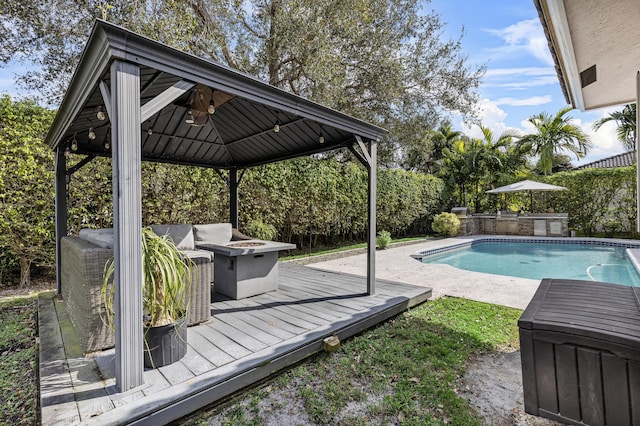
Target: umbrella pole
point(531, 201)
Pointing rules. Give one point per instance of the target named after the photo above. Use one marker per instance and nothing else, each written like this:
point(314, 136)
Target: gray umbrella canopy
point(526, 185)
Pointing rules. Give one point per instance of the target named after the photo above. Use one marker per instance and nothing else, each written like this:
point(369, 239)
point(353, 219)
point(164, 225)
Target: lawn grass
point(323, 250)
point(403, 371)
point(18, 378)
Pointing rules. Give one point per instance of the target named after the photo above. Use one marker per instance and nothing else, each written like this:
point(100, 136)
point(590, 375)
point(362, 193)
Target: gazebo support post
point(61, 209)
point(369, 159)
point(371, 240)
point(127, 223)
point(233, 197)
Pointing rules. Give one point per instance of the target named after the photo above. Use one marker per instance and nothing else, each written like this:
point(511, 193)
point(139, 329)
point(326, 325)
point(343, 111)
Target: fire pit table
point(246, 268)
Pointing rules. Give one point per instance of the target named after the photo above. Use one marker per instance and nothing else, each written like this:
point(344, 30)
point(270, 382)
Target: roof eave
point(93, 63)
point(556, 29)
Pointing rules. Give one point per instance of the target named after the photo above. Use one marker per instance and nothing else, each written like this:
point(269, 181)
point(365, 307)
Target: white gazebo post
point(637, 151)
point(127, 223)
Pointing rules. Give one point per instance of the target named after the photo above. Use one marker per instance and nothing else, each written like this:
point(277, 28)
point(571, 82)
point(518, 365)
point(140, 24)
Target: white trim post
point(637, 153)
point(127, 223)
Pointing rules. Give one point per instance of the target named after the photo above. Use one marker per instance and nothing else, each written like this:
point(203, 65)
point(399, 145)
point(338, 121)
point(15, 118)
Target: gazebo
point(134, 99)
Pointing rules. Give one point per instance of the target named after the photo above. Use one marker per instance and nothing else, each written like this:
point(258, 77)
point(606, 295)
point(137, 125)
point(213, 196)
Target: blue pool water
point(543, 260)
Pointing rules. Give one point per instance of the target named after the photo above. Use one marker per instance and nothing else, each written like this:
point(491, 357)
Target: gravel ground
point(493, 385)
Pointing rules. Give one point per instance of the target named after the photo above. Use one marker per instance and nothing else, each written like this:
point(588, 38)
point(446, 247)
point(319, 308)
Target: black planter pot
point(165, 344)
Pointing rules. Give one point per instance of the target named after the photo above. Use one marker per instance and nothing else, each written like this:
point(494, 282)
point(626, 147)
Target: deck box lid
point(604, 311)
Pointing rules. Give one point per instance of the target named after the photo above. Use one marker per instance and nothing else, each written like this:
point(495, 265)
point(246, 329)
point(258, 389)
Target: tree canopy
point(384, 61)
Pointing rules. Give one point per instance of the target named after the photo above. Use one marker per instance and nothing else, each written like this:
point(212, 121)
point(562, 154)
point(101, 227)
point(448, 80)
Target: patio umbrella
point(527, 185)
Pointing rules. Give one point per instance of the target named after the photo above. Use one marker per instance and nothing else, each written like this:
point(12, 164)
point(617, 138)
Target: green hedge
point(324, 197)
point(596, 196)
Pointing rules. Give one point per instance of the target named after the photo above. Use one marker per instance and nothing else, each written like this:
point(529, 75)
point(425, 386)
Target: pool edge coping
point(631, 246)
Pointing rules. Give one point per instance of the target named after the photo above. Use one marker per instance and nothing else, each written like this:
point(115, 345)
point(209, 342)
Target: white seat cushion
point(212, 233)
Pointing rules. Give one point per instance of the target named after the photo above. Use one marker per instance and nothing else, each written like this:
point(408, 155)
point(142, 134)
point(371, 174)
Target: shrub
point(383, 240)
point(446, 224)
point(610, 226)
point(260, 230)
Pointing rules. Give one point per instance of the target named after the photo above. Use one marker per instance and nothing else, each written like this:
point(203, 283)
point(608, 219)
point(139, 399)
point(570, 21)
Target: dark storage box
point(580, 348)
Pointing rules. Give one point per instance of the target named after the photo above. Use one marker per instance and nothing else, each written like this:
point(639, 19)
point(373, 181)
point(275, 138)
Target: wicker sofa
point(83, 260)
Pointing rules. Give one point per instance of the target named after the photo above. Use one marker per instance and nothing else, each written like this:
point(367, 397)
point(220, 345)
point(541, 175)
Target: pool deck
point(397, 264)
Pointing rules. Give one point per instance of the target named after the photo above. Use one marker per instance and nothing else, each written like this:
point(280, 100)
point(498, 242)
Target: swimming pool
point(538, 260)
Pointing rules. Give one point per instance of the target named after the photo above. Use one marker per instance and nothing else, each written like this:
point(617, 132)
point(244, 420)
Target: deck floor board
point(245, 341)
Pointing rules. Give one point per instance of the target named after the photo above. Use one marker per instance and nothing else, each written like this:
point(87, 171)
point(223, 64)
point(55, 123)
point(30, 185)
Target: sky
point(506, 36)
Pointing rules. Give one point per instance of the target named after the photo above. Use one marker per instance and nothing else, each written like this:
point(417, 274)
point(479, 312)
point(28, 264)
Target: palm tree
point(626, 121)
point(488, 159)
point(554, 134)
point(471, 164)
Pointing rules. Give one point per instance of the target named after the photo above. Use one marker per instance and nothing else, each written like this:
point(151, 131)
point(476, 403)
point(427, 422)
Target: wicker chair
point(81, 272)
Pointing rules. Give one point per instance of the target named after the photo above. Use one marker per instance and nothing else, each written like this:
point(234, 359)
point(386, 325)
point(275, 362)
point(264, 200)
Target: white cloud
point(531, 101)
point(525, 71)
point(522, 36)
point(605, 141)
point(491, 116)
point(525, 84)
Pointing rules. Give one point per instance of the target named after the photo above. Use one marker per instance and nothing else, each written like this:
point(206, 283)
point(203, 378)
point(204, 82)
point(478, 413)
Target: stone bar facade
point(536, 224)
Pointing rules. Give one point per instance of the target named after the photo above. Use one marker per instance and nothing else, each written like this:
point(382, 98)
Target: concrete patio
point(396, 264)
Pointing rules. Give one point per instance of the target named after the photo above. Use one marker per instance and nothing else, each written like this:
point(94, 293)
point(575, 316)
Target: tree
point(554, 134)
point(380, 60)
point(26, 184)
point(487, 161)
point(425, 153)
point(626, 122)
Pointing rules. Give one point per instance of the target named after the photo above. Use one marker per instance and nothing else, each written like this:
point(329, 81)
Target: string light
point(276, 127)
point(150, 131)
point(190, 119)
point(321, 139)
point(101, 116)
point(67, 152)
point(211, 109)
point(106, 144)
point(92, 134)
point(74, 144)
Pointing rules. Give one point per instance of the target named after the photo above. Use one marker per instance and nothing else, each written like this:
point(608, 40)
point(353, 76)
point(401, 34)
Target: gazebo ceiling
point(238, 133)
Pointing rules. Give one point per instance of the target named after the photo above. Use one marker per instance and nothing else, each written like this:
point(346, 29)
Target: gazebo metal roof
point(147, 91)
point(240, 133)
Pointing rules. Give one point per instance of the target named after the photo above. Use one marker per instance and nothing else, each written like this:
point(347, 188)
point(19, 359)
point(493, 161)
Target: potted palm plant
point(166, 285)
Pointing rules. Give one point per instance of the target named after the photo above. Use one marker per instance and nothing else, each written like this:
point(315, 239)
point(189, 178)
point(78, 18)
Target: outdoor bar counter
point(511, 223)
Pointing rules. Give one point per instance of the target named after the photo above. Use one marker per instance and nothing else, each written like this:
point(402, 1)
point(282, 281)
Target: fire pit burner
point(245, 244)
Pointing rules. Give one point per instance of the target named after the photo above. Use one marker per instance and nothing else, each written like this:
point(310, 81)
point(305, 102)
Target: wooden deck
point(246, 341)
